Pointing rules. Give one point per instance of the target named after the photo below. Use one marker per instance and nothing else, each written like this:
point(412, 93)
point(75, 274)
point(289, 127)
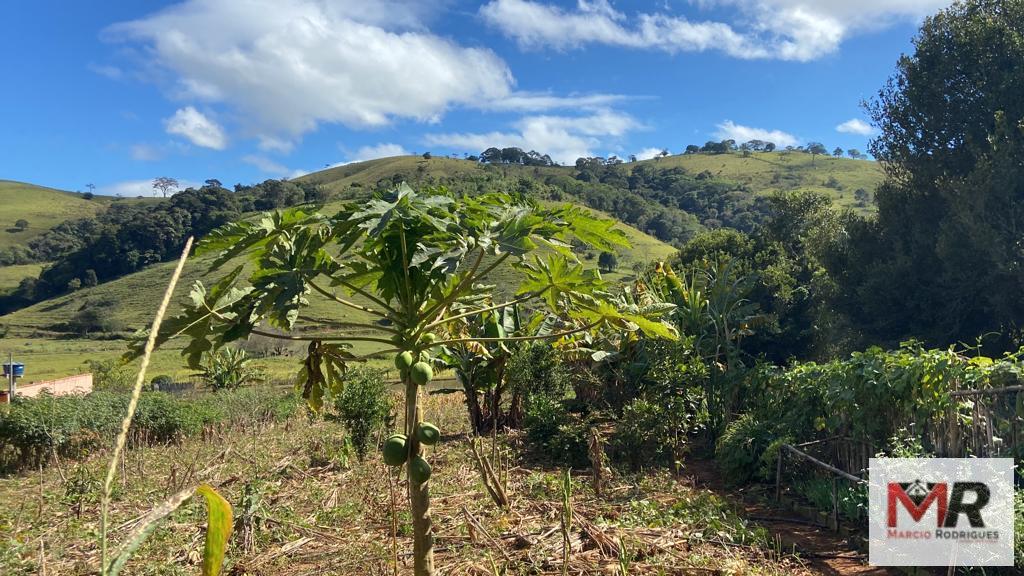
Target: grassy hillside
point(35, 335)
point(762, 172)
point(766, 172)
point(42, 207)
point(10, 276)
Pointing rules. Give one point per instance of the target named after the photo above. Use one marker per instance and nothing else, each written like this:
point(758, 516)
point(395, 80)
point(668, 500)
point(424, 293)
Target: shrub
point(741, 447)
point(364, 405)
point(111, 375)
point(536, 370)
point(640, 435)
point(32, 429)
point(553, 434)
point(161, 382)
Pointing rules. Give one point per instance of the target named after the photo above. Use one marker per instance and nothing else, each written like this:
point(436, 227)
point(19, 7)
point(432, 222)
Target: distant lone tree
point(838, 152)
point(21, 224)
point(769, 147)
point(854, 153)
point(607, 261)
point(816, 148)
point(427, 156)
point(165, 186)
point(692, 149)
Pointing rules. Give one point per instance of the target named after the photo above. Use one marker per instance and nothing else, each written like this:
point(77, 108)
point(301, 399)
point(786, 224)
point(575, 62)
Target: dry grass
point(303, 507)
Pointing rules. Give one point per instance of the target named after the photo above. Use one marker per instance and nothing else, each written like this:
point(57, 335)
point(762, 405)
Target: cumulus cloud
point(564, 138)
point(730, 130)
point(383, 150)
point(197, 128)
point(856, 126)
point(648, 153)
point(289, 65)
point(784, 29)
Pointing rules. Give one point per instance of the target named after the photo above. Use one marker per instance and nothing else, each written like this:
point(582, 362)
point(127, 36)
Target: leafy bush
point(537, 370)
point(32, 429)
point(740, 448)
point(553, 434)
point(364, 405)
point(640, 437)
point(111, 375)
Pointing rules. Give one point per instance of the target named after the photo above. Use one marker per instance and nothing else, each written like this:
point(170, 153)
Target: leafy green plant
point(554, 435)
point(740, 447)
point(228, 369)
point(364, 405)
point(416, 263)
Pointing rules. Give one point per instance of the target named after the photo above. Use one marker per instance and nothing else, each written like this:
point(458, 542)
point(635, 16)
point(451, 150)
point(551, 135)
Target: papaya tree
point(401, 268)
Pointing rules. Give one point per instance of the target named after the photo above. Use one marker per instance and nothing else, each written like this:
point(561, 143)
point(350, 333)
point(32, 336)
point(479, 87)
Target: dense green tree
point(943, 260)
point(608, 261)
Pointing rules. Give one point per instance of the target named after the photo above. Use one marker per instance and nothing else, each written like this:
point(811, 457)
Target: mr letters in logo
point(940, 512)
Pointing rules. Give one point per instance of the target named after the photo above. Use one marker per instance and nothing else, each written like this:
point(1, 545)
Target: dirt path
point(823, 549)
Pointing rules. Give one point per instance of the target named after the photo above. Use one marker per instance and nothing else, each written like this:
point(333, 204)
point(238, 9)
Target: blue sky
point(118, 92)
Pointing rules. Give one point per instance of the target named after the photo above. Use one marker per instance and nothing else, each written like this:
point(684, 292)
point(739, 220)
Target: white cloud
point(730, 130)
point(564, 138)
point(856, 126)
point(289, 65)
point(133, 188)
point(648, 153)
point(146, 153)
point(267, 165)
point(542, 102)
point(784, 29)
point(384, 150)
point(197, 128)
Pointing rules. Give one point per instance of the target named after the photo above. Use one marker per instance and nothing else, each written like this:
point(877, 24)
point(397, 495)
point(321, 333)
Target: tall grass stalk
point(122, 437)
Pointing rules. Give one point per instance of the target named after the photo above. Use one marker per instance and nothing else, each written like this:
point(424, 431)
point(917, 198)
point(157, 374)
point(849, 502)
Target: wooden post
point(1013, 440)
point(778, 474)
point(835, 504)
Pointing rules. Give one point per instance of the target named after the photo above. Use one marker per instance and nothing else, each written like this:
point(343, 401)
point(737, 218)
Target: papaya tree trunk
point(419, 493)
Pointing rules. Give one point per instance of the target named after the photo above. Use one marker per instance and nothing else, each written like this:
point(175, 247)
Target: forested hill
point(671, 198)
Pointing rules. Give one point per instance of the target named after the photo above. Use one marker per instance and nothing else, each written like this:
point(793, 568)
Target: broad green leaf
point(218, 530)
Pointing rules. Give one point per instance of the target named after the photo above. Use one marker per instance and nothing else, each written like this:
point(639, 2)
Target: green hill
point(761, 172)
point(44, 335)
point(42, 207)
point(41, 336)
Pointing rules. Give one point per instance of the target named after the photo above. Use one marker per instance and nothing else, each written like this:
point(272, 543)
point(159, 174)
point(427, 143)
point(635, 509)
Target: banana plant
point(479, 367)
point(400, 268)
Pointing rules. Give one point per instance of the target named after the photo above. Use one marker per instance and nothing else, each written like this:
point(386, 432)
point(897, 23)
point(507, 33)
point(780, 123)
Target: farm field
point(302, 503)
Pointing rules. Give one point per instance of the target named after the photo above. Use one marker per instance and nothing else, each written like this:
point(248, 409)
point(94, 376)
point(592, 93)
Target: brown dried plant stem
point(133, 403)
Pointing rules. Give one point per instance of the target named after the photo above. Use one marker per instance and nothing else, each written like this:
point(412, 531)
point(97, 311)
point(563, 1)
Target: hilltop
point(761, 172)
point(43, 208)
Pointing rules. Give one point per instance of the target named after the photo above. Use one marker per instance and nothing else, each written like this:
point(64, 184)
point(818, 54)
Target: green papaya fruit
point(421, 373)
point(428, 433)
point(395, 450)
point(404, 360)
point(419, 470)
